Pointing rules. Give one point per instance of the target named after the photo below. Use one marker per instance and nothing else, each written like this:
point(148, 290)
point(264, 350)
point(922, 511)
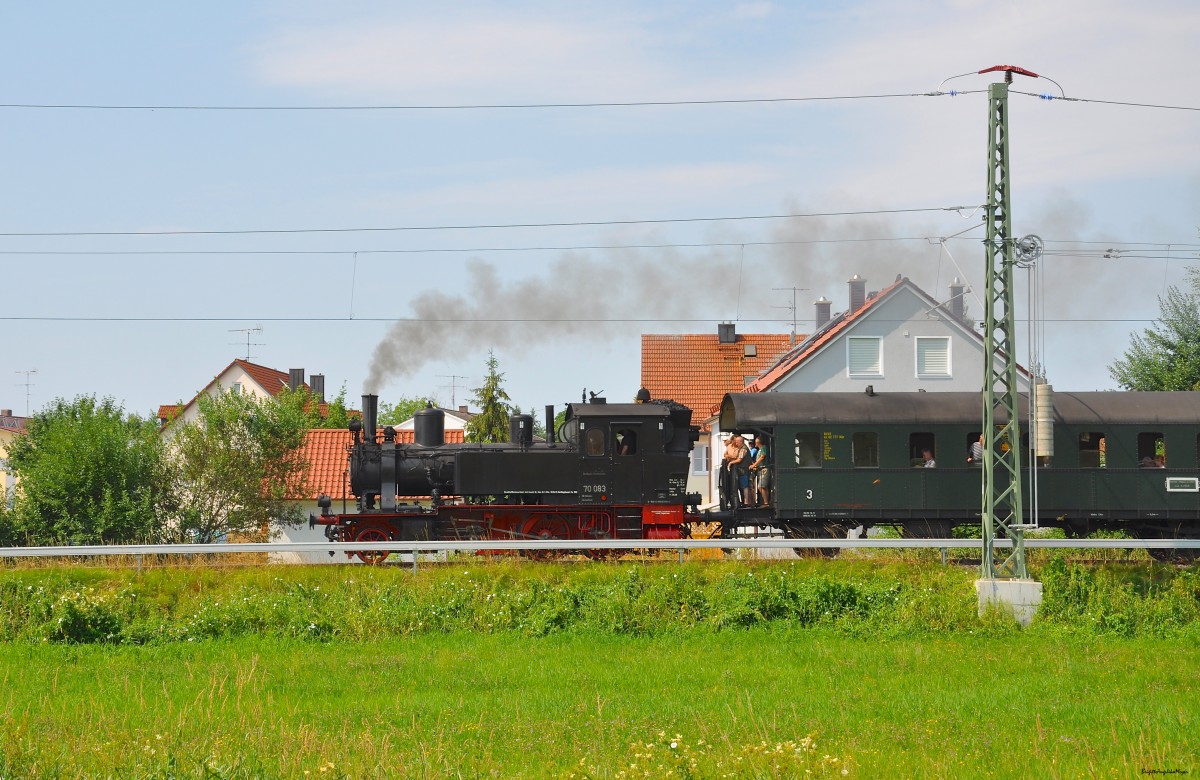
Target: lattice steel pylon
point(1002, 506)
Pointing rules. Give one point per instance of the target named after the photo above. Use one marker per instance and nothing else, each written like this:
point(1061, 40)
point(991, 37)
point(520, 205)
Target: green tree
point(1167, 355)
point(87, 474)
point(403, 409)
point(491, 424)
point(237, 464)
point(328, 414)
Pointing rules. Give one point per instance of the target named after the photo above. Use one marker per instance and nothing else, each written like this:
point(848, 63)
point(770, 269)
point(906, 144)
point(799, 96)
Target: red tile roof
point(697, 371)
point(271, 380)
point(326, 451)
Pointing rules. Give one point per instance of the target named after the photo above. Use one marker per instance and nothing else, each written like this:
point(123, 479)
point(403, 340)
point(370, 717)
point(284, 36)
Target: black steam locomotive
point(611, 471)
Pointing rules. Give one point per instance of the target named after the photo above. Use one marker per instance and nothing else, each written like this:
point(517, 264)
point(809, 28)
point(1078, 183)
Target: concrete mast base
point(1021, 597)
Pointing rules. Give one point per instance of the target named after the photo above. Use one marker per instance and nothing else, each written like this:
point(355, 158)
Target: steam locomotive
point(610, 471)
point(1127, 461)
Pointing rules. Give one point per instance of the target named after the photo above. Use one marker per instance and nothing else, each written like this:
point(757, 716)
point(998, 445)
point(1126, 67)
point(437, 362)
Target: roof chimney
point(6, 413)
point(295, 378)
point(957, 310)
point(462, 408)
point(726, 333)
point(822, 305)
point(316, 383)
point(858, 292)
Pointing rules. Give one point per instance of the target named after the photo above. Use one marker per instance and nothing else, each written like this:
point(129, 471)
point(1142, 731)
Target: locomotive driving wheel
point(372, 533)
point(543, 527)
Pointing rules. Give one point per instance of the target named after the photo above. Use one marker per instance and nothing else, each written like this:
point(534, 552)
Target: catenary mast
point(1002, 509)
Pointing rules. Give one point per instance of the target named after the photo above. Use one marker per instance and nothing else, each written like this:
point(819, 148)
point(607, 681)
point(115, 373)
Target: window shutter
point(864, 356)
point(933, 357)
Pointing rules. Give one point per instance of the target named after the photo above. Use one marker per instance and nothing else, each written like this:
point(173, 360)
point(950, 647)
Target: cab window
point(593, 442)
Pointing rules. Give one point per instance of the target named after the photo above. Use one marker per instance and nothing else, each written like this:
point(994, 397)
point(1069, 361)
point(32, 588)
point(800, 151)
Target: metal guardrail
point(765, 543)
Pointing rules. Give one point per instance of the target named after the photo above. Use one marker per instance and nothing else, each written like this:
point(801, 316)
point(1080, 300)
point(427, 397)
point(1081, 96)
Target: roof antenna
point(248, 331)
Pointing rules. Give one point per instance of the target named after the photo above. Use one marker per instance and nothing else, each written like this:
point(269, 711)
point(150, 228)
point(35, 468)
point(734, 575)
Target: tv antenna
point(249, 343)
point(792, 307)
point(453, 387)
point(28, 384)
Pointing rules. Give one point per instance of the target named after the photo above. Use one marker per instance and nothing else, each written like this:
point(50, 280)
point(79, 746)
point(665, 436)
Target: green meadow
point(617, 670)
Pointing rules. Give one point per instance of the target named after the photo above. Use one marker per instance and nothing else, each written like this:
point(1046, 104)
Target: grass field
point(798, 669)
point(755, 703)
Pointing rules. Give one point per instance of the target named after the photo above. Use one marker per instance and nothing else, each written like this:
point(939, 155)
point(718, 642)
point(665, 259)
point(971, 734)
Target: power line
point(1137, 250)
point(1045, 96)
point(469, 320)
point(472, 106)
point(435, 250)
point(594, 104)
point(592, 223)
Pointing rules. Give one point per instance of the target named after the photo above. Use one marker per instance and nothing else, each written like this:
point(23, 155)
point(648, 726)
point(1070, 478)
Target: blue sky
point(148, 319)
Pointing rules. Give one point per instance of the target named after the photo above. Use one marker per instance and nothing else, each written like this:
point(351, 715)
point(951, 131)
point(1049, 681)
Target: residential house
point(899, 339)
point(698, 369)
point(455, 419)
point(242, 376)
point(10, 428)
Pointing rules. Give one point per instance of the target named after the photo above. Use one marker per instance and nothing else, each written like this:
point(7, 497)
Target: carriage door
point(627, 458)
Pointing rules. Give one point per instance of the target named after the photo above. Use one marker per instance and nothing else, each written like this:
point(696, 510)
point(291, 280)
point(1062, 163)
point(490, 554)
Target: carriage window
point(917, 444)
point(975, 448)
point(1092, 450)
point(808, 450)
point(1151, 450)
point(865, 450)
point(594, 442)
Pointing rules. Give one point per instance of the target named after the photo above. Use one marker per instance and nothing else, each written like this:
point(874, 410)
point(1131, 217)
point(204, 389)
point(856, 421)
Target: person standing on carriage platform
point(761, 470)
point(736, 459)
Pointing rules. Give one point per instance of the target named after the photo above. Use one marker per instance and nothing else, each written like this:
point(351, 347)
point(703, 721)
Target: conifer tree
point(491, 423)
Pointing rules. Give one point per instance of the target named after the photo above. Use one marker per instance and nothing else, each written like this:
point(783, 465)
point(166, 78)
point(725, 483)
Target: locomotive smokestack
point(370, 410)
point(550, 424)
point(858, 292)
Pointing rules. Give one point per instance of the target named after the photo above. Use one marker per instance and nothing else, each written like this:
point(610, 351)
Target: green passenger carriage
point(1103, 460)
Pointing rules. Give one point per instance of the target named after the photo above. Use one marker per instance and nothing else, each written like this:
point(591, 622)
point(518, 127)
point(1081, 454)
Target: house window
point(236, 388)
point(863, 356)
point(700, 459)
point(933, 356)
point(865, 450)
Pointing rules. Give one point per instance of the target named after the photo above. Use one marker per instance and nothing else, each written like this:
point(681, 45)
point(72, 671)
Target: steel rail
point(572, 544)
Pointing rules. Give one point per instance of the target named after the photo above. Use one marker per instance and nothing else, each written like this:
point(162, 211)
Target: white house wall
point(898, 321)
